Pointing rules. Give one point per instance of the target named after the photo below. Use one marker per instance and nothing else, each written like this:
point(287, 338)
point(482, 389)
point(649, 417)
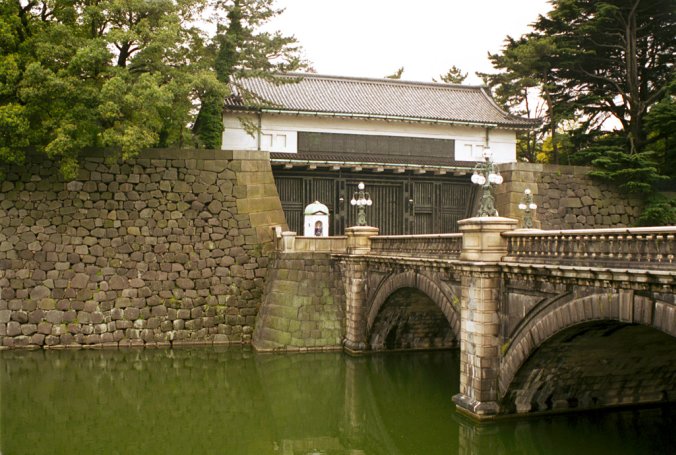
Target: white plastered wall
point(279, 133)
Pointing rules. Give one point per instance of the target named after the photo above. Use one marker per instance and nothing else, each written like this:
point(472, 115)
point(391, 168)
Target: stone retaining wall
point(566, 196)
point(170, 247)
point(304, 304)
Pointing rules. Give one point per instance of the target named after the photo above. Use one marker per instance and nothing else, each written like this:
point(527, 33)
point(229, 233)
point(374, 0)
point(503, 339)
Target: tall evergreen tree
point(614, 57)
point(241, 50)
point(526, 68)
point(592, 60)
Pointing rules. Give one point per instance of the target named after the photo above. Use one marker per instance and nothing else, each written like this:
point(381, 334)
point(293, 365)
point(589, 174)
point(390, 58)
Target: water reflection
point(235, 402)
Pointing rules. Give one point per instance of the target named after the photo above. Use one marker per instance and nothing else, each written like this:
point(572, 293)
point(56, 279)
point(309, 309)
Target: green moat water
point(210, 401)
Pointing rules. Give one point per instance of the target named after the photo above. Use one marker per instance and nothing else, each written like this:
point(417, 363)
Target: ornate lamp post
point(361, 199)
point(487, 175)
point(527, 205)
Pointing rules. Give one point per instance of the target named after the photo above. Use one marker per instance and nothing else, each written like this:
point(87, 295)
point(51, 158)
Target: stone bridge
point(546, 320)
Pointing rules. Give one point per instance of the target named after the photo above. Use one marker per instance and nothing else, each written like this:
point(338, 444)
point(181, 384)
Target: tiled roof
point(378, 98)
point(372, 159)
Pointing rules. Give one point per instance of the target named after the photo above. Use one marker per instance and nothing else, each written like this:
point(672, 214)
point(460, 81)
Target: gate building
point(413, 144)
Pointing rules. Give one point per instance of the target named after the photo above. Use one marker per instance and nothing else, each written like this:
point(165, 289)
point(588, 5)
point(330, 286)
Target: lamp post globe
point(487, 176)
point(361, 199)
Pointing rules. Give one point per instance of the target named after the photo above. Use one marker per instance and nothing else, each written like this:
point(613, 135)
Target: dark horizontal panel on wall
point(363, 144)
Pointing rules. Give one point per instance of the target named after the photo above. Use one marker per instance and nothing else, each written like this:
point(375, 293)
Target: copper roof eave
point(377, 117)
point(367, 164)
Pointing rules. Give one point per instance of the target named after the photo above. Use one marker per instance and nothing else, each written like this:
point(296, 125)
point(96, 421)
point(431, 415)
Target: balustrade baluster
point(647, 256)
point(658, 251)
point(636, 246)
point(593, 246)
point(584, 245)
point(603, 248)
point(534, 246)
point(626, 246)
point(577, 245)
point(526, 246)
point(552, 245)
point(611, 245)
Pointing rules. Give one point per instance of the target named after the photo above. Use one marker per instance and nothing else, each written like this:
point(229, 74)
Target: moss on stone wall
point(304, 305)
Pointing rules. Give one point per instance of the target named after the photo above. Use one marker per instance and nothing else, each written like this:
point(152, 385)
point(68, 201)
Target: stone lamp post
point(487, 175)
point(361, 199)
point(527, 205)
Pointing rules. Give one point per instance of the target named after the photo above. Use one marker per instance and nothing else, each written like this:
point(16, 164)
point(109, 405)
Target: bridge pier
point(482, 248)
point(354, 273)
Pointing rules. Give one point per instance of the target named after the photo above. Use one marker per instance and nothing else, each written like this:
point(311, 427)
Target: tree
point(240, 50)
point(614, 57)
point(527, 73)
point(591, 61)
point(453, 76)
point(660, 124)
point(397, 74)
point(76, 74)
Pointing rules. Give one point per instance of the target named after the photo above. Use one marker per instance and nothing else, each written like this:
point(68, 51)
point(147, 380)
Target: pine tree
point(240, 50)
point(453, 76)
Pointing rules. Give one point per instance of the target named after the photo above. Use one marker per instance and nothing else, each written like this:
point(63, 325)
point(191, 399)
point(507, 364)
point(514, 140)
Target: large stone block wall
point(304, 304)
point(170, 247)
point(566, 196)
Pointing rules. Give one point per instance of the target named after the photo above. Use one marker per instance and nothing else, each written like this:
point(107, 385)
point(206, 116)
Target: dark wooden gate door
point(438, 206)
point(292, 194)
point(387, 211)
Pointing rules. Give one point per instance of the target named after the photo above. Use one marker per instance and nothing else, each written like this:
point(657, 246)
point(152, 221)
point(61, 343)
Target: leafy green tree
point(76, 74)
point(453, 76)
point(241, 50)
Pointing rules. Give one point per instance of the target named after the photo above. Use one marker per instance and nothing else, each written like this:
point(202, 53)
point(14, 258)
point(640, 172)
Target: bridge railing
point(440, 246)
point(626, 247)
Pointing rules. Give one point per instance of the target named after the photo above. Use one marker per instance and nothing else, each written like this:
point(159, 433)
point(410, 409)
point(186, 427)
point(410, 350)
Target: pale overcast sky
point(373, 38)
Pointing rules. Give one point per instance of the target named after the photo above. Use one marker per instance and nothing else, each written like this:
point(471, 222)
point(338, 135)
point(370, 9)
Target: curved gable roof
point(376, 98)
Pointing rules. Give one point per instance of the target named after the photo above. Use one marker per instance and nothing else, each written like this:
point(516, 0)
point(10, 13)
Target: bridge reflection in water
point(203, 401)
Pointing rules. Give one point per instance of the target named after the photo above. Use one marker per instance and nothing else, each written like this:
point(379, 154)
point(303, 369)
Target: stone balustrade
point(433, 245)
point(651, 247)
point(291, 243)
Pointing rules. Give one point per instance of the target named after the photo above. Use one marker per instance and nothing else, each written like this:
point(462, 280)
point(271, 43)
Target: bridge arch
point(440, 295)
point(563, 319)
